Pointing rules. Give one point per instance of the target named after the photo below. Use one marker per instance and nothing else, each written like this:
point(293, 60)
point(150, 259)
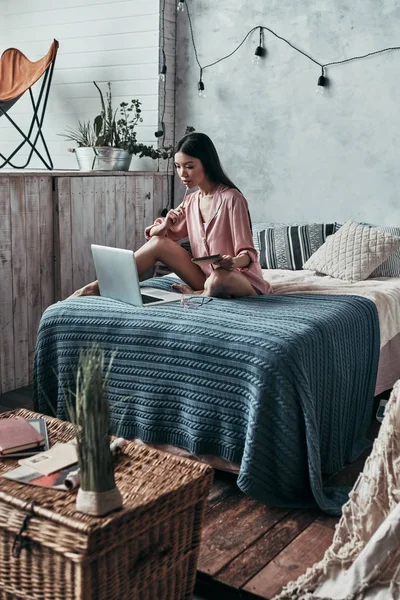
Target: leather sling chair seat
point(17, 75)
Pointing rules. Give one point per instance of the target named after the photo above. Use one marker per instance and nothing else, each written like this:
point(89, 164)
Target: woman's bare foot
point(91, 289)
point(181, 288)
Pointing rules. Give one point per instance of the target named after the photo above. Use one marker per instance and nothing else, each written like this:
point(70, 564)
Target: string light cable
point(260, 53)
point(160, 133)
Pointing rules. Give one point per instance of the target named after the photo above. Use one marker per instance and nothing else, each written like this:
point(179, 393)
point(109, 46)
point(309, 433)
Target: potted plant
point(98, 493)
point(109, 142)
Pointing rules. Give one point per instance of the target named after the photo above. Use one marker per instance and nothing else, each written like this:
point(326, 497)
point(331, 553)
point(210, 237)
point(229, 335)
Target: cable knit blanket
point(283, 384)
point(383, 291)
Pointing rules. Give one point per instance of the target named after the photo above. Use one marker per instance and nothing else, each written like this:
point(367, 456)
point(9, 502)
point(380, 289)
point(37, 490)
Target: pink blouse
point(227, 232)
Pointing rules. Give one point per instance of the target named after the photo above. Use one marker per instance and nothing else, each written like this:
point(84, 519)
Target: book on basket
point(41, 427)
point(16, 434)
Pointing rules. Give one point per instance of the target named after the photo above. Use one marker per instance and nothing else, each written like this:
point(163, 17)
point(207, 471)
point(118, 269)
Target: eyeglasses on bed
point(194, 301)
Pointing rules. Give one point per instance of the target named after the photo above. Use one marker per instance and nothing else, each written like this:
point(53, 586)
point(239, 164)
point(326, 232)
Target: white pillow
point(353, 252)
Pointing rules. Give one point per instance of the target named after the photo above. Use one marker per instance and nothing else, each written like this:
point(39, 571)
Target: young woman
point(216, 220)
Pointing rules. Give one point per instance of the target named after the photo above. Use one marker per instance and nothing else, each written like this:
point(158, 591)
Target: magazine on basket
point(56, 480)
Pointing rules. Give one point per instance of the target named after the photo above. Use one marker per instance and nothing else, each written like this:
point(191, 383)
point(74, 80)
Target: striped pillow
point(288, 247)
point(257, 227)
point(391, 266)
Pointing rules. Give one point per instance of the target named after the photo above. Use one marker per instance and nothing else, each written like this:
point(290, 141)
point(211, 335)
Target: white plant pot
point(143, 164)
point(98, 504)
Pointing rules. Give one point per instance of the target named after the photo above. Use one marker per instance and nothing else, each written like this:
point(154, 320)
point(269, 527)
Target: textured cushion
point(353, 252)
point(391, 266)
point(289, 246)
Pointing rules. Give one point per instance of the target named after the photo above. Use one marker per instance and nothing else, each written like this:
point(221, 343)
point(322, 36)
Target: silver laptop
point(118, 278)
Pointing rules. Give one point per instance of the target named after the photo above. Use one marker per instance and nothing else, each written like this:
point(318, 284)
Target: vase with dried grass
point(98, 493)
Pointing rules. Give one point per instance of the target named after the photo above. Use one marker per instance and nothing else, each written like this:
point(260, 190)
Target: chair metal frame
point(37, 119)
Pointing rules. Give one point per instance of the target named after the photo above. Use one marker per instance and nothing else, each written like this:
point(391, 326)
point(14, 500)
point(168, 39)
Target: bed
point(384, 292)
point(280, 385)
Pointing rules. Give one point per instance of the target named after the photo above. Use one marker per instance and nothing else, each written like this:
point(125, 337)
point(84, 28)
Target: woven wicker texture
point(148, 550)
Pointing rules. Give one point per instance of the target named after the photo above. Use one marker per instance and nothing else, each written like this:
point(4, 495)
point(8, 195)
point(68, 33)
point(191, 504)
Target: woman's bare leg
point(228, 284)
point(174, 256)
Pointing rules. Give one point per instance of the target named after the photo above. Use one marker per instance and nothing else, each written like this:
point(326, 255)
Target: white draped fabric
point(363, 561)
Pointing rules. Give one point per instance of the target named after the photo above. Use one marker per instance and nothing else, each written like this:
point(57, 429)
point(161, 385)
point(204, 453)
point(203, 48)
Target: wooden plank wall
point(109, 210)
point(45, 246)
point(26, 272)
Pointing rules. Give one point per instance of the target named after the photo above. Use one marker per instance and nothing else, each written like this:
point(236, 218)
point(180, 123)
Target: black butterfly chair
point(17, 75)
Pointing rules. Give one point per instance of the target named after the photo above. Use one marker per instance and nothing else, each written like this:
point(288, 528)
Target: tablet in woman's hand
point(207, 260)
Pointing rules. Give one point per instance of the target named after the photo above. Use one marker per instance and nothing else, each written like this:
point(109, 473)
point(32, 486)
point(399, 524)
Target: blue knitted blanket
point(283, 384)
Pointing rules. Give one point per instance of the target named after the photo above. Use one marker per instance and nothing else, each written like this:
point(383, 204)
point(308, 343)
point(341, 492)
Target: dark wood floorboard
point(21, 398)
point(249, 551)
point(307, 548)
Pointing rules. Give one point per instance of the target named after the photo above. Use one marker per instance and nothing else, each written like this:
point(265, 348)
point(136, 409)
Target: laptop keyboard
point(149, 299)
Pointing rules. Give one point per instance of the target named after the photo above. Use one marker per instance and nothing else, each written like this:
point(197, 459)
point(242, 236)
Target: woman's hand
point(91, 289)
point(227, 262)
point(173, 215)
point(171, 218)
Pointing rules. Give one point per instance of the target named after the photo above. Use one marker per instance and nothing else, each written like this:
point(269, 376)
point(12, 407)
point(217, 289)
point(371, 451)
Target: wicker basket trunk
point(146, 551)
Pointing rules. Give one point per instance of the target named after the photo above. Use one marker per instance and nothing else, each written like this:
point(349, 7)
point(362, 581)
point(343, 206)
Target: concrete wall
point(296, 155)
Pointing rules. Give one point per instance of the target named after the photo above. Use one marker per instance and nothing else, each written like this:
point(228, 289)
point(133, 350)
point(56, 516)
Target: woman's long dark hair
point(200, 146)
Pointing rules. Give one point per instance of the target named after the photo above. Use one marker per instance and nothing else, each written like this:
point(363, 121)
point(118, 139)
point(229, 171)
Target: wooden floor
point(249, 551)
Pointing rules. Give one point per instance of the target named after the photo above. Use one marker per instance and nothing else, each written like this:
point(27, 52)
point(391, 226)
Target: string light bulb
point(322, 84)
point(180, 6)
point(160, 132)
point(201, 89)
point(258, 55)
point(260, 50)
point(163, 73)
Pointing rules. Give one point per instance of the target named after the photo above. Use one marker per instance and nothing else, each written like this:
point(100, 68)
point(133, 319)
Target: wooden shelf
point(77, 173)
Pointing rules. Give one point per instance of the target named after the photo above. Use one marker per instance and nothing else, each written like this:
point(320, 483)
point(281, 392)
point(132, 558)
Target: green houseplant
point(108, 142)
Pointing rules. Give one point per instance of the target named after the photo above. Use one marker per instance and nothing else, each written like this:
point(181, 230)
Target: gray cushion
point(353, 252)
